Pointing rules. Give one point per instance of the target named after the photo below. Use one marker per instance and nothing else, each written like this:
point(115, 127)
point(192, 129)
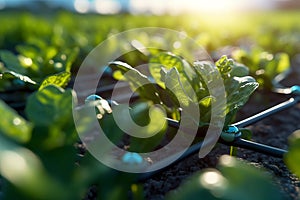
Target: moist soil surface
point(273, 130)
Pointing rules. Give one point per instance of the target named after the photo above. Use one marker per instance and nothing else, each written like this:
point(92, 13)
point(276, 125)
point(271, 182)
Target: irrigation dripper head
point(92, 98)
point(230, 133)
point(295, 90)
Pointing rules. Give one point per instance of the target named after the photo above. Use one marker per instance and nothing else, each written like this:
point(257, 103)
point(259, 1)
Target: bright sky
point(156, 6)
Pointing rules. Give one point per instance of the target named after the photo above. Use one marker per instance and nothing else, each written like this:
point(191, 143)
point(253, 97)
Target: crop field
point(190, 106)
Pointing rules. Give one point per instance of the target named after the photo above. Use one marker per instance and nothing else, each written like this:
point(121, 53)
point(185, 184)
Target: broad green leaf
point(144, 116)
point(95, 112)
point(167, 60)
point(211, 86)
point(134, 121)
point(235, 180)
point(292, 158)
point(24, 170)
point(245, 87)
point(239, 70)
point(12, 62)
point(173, 83)
point(50, 106)
point(160, 64)
point(137, 81)
point(238, 91)
point(207, 73)
point(61, 80)
point(14, 126)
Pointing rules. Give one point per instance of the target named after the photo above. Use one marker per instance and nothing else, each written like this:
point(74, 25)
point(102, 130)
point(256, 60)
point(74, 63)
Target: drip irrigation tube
point(239, 142)
point(275, 109)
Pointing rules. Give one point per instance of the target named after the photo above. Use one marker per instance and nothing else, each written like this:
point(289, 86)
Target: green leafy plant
point(32, 66)
point(264, 66)
point(170, 71)
point(38, 158)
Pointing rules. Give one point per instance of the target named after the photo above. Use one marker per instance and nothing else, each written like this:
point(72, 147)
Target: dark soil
point(273, 131)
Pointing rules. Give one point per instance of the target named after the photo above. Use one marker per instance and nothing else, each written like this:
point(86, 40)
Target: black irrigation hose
point(275, 109)
point(268, 150)
point(265, 149)
point(238, 142)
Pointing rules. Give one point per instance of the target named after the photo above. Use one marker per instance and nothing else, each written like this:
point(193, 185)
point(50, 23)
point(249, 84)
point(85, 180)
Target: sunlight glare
point(211, 6)
point(81, 6)
point(12, 165)
point(214, 181)
point(139, 6)
point(107, 7)
point(175, 7)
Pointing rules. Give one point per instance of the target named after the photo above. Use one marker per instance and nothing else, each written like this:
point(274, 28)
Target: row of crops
point(42, 156)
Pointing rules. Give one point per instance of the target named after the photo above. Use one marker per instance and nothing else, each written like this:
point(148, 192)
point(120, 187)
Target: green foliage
point(50, 106)
point(12, 62)
point(138, 82)
point(24, 171)
point(292, 158)
point(38, 159)
point(234, 180)
point(145, 114)
point(14, 126)
point(168, 61)
point(264, 66)
point(44, 166)
point(181, 84)
point(35, 62)
point(61, 79)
